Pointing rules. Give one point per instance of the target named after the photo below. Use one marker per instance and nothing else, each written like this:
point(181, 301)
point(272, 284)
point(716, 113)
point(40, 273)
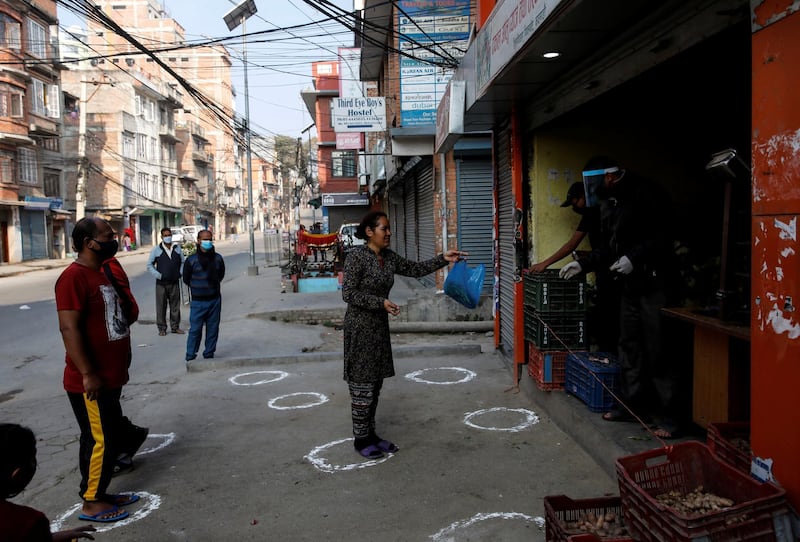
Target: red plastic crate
point(560, 509)
point(760, 512)
point(722, 440)
point(546, 368)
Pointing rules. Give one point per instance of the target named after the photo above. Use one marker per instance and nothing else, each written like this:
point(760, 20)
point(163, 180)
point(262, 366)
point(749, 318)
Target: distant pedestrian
point(234, 234)
point(166, 265)
point(95, 329)
point(17, 467)
point(368, 277)
point(203, 272)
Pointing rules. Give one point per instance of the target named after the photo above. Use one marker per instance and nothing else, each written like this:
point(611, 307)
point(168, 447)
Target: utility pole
point(83, 169)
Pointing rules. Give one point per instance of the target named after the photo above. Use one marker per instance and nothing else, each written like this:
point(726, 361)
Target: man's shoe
point(162, 332)
point(190, 358)
point(179, 331)
point(210, 356)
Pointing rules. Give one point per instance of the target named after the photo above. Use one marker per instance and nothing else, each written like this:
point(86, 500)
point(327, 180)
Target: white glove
point(623, 266)
point(570, 270)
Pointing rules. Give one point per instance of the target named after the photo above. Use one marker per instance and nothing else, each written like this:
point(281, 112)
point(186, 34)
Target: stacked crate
point(555, 322)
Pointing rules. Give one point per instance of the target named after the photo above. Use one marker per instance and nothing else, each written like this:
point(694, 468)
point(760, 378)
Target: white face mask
point(168, 240)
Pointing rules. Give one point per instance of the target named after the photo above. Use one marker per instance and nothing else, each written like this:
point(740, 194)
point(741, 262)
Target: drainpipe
point(444, 206)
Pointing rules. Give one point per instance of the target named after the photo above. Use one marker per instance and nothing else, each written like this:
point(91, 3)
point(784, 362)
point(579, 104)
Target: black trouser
point(364, 405)
point(102, 428)
point(645, 373)
point(168, 292)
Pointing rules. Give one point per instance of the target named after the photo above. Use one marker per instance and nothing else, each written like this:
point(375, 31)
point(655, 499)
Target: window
point(8, 167)
point(10, 33)
point(153, 149)
point(137, 105)
point(168, 152)
point(11, 102)
point(128, 146)
point(37, 39)
point(142, 186)
point(141, 146)
point(28, 166)
point(343, 163)
point(45, 99)
point(51, 184)
point(149, 107)
point(37, 97)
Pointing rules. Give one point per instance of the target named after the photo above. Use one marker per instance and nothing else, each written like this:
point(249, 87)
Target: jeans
point(203, 312)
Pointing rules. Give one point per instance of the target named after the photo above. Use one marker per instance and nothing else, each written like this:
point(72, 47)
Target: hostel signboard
point(359, 114)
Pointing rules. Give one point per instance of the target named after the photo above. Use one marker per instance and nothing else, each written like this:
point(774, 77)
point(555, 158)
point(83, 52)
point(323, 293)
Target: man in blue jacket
point(166, 264)
point(203, 273)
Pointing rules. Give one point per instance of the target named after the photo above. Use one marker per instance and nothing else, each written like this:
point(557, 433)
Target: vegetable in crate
point(694, 503)
point(608, 524)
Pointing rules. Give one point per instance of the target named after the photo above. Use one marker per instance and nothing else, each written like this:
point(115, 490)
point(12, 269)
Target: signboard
point(349, 141)
point(359, 114)
point(435, 30)
point(339, 200)
point(506, 32)
point(450, 116)
point(349, 79)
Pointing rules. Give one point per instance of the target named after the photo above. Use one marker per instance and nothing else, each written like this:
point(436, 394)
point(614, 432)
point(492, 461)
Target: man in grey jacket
point(166, 265)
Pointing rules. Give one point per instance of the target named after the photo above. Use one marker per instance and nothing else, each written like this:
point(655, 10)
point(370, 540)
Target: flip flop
point(387, 447)
point(121, 499)
point(98, 517)
point(371, 452)
point(618, 415)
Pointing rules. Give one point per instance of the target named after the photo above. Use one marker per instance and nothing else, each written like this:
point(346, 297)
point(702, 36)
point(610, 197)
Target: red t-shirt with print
point(23, 524)
point(107, 337)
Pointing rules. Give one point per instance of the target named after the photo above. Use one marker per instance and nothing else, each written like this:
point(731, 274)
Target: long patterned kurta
point(367, 343)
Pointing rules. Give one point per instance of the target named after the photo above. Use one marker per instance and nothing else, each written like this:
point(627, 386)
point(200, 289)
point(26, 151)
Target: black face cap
point(575, 192)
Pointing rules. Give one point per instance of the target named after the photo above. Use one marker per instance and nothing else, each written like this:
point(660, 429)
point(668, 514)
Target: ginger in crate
point(694, 503)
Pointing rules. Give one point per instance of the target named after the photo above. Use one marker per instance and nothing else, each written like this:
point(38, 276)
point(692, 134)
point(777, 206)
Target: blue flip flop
point(121, 499)
point(98, 517)
point(371, 452)
point(387, 446)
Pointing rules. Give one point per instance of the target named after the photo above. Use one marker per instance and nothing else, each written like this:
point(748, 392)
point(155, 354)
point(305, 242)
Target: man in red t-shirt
point(95, 331)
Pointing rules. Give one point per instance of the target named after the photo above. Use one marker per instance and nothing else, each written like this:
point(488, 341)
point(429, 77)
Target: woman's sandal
point(618, 415)
point(387, 446)
point(371, 452)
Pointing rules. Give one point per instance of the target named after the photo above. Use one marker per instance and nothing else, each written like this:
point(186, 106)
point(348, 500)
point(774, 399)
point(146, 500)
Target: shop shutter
point(397, 219)
point(474, 202)
point(146, 231)
point(505, 242)
point(34, 239)
point(425, 219)
point(410, 223)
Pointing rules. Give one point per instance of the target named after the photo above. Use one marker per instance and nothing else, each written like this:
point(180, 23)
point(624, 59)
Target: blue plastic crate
point(580, 381)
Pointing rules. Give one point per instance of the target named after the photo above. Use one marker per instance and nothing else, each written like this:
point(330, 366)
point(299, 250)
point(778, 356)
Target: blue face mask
point(206, 245)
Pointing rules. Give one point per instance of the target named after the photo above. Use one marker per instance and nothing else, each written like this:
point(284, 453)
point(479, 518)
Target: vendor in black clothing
point(635, 248)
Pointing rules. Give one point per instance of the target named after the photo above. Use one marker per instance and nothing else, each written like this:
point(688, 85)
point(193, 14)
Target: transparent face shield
point(592, 180)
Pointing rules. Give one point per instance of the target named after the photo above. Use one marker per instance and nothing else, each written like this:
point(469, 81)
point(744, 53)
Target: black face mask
point(108, 249)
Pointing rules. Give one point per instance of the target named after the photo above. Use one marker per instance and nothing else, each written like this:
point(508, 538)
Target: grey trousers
point(168, 294)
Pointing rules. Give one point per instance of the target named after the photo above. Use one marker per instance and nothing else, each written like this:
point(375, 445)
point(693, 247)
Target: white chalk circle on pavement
point(531, 419)
point(320, 399)
point(416, 376)
point(448, 532)
point(147, 504)
point(275, 376)
point(323, 465)
point(167, 439)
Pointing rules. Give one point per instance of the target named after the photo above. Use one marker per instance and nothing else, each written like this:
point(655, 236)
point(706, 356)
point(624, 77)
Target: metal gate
point(410, 223)
point(34, 237)
point(145, 231)
point(474, 204)
point(425, 219)
point(505, 238)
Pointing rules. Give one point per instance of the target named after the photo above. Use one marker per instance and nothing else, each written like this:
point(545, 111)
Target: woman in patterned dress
point(368, 277)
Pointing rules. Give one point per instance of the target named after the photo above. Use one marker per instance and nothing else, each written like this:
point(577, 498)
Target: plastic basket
point(556, 331)
point(546, 368)
point(545, 292)
point(590, 380)
point(730, 441)
point(760, 512)
point(592, 538)
point(560, 510)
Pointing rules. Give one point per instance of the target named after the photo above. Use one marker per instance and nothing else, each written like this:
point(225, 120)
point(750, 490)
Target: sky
point(277, 71)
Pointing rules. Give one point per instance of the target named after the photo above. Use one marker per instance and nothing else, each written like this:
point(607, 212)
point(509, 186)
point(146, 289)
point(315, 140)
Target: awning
point(14, 203)
point(36, 205)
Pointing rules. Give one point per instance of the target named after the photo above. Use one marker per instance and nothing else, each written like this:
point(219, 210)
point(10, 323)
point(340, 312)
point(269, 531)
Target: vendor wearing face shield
point(635, 248)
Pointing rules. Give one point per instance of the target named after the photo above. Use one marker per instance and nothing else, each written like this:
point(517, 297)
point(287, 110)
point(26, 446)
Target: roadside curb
point(199, 364)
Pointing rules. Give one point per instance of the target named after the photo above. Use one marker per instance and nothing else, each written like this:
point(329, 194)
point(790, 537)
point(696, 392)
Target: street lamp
point(234, 18)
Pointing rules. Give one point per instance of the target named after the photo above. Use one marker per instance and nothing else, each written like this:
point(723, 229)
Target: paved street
point(257, 446)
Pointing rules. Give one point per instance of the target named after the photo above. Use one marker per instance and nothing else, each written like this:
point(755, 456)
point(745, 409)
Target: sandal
point(371, 452)
point(667, 430)
point(387, 446)
point(618, 415)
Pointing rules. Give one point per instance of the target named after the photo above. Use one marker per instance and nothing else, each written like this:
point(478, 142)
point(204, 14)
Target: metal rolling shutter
point(506, 242)
point(425, 219)
point(474, 201)
point(32, 229)
point(396, 221)
point(410, 224)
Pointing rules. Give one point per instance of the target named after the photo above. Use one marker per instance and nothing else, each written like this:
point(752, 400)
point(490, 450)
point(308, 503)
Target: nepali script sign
point(358, 114)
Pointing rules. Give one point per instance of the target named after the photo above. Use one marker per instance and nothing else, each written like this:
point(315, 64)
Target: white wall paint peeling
point(787, 231)
point(780, 152)
point(781, 324)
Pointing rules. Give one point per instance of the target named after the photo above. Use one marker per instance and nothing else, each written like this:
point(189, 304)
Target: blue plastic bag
point(464, 284)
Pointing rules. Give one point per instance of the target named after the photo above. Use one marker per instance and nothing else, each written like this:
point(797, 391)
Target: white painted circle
point(147, 503)
point(448, 532)
point(275, 377)
point(320, 400)
point(168, 438)
point(314, 456)
point(531, 419)
point(416, 376)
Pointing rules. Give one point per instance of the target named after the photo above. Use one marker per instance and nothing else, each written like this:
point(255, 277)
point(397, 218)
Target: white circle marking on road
point(277, 375)
point(416, 376)
point(169, 438)
point(320, 400)
point(151, 502)
point(466, 523)
point(322, 464)
point(531, 419)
